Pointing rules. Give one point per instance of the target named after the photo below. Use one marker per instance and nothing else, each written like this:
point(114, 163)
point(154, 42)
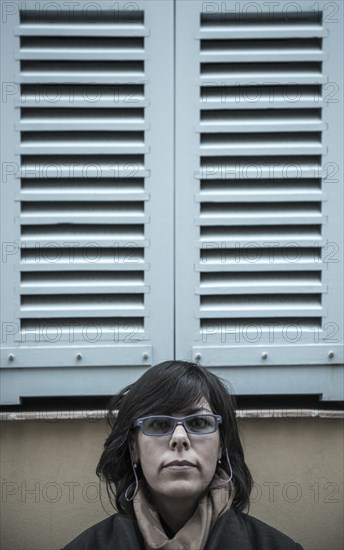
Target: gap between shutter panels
point(82, 212)
point(260, 221)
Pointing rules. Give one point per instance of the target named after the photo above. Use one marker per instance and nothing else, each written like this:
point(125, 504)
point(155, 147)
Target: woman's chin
point(180, 488)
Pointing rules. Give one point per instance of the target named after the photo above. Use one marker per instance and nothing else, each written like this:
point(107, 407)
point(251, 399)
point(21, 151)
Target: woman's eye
point(198, 422)
point(159, 424)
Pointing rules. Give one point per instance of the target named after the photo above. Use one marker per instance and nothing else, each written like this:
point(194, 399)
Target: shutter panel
point(93, 102)
point(259, 254)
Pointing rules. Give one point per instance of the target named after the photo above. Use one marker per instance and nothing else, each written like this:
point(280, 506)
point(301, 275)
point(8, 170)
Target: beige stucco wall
point(50, 492)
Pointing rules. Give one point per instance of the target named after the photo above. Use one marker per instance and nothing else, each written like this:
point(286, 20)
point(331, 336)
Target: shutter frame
point(235, 360)
point(72, 366)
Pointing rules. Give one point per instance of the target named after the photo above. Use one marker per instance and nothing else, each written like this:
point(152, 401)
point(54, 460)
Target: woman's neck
point(174, 512)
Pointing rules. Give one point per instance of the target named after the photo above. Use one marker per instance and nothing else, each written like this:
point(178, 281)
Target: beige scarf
point(194, 534)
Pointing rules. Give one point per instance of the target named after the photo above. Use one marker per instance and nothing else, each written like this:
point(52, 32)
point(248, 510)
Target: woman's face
point(179, 465)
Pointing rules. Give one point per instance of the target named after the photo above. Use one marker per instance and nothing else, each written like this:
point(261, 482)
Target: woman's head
point(173, 388)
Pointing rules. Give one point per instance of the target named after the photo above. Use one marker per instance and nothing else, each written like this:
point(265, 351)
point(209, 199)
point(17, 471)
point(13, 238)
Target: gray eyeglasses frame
point(138, 423)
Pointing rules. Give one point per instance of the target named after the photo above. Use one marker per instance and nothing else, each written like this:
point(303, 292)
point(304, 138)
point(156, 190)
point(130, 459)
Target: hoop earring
point(134, 487)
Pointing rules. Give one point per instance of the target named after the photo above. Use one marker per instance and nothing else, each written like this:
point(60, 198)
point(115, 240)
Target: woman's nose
point(179, 437)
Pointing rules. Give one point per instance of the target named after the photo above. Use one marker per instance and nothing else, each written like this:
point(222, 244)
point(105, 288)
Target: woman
point(174, 468)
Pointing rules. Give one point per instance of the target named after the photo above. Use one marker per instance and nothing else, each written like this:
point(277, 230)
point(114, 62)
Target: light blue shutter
point(87, 195)
point(259, 261)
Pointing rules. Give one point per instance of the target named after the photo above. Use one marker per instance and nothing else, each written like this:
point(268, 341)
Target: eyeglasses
point(196, 424)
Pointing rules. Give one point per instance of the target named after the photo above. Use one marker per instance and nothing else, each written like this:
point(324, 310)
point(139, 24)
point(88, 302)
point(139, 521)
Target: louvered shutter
point(259, 205)
point(87, 195)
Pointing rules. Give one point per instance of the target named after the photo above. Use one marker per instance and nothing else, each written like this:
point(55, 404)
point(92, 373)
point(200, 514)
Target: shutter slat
point(259, 197)
point(90, 265)
point(95, 30)
point(254, 121)
point(261, 265)
point(129, 186)
point(224, 283)
point(262, 78)
point(77, 212)
point(263, 314)
point(103, 147)
point(87, 55)
point(261, 126)
point(62, 256)
point(81, 218)
point(253, 97)
point(80, 166)
point(35, 171)
point(93, 196)
point(97, 100)
point(258, 167)
point(90, 125)
point(259, 219)
point(261, 24)
point(88, 120)
point(260, 51)
point(62, 55)
point(67, 331)
point(79, 143)
point(60, 96)
point(69, 313)
point(85, 289)
point(271, 148)
point(69, 240)
point(261, 57)
point(237, 103)
point(35, 77)
point(246, 31)
point(245, 242)
point(275, 289)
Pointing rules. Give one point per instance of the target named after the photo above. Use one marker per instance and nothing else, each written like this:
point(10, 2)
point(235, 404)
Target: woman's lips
point(179, 464)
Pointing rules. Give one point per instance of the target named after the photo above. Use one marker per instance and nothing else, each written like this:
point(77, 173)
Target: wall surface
point(50, 492)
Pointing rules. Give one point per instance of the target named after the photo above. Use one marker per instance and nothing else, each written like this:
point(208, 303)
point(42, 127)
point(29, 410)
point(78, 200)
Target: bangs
point(182, 399)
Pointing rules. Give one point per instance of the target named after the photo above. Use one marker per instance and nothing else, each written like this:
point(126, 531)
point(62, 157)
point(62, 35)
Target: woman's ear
point(133, 448)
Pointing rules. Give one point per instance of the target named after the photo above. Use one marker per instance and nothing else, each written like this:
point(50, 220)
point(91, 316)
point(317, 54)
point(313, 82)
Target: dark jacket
point(233, 531)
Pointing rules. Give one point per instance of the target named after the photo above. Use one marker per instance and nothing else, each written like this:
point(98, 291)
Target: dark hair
point(170, 387)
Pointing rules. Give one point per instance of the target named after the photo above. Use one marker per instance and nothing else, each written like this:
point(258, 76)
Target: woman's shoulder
point(247, 533)
point(234, 530)
point(118, 528)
